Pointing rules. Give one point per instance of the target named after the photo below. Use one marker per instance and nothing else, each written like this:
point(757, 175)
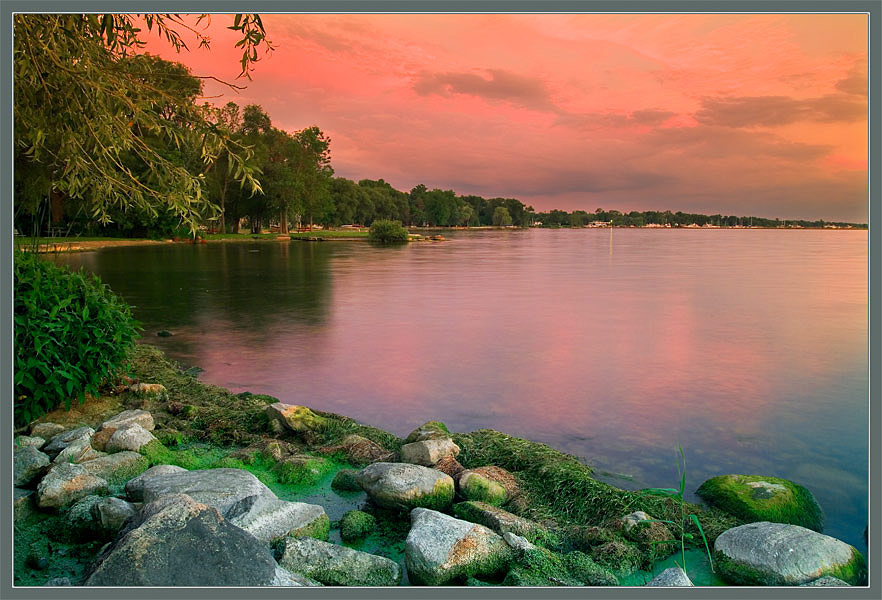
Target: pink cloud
point(577, 111)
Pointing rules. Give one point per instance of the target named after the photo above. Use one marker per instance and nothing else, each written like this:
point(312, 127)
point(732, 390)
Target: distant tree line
point(581, 218)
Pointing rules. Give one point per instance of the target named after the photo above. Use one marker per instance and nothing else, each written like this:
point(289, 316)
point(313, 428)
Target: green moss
point(792, 504)
point(430, 430)
point(617, 556)
point(583, 568)
point(356, 524)
point(854, 572)
point(475, 487)
point(440, 498)
point(318, 529)
point(119, 477)
point(560, 489)
point(539, 567)
point(740, 573)
point(43, 549)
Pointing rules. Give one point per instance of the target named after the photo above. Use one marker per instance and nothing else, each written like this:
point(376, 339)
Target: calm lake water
point(749, 347)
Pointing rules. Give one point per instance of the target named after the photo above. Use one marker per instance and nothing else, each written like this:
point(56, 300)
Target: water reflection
point(749, 347)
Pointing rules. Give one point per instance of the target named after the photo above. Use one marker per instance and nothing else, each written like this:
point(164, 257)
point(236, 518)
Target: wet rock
point(779, 554)
point(181, 542)
point(22, 504)
point(337, 565)
point(432, 430)
point(673, 577)
point(345, 480)
point(474, 486)
point(428, 452)
point(757, 498)
point(128, 417)
point(80, 521)
point(65, 439)
point(110, 514)
point(403, 486)
point(295, 418)
point(28, 464)
point(356, 524)
point(24, 440)
point(128, 437)
point(154, 391)
point(66, 483)
point(499, 520)
point(440, 548)
point(449, 466)
point(243, 500)
point(117, 468)
point(359, 450)
point(47, 431)
point(135, 486)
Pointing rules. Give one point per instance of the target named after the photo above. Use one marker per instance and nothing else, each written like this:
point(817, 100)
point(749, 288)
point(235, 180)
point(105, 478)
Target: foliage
point(501, 217)
point(387, 232)
point(97, 122)
point(71, 332)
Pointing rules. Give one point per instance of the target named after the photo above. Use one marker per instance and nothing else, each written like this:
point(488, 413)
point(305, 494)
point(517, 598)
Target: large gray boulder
point(66, 483)
point(181, 542)
point(404, 486)
point(440, 548)
point(673, 577)
point(767, 553)
point(28, 463)
point(337, 565)
point(135, 486)
point(65, 439)
point(129, 417)
point(241, 498)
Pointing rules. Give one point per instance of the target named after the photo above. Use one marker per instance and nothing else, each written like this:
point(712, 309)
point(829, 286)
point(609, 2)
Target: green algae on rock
point(757, 498)
point(474, 486)
point(356, 524)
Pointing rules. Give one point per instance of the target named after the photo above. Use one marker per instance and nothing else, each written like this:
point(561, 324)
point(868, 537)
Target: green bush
point(384, 231)
point(71, 332)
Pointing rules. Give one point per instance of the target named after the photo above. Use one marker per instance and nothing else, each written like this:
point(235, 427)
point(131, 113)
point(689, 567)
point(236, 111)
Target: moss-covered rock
point(345, 481)
point(403, 486)
point(617, 556)
point(356, 524)
point(474, 486)
point(431, 430)
point(502, 521)
point(539, 567)
point(758, 498)
point(583, 568)
point(295, 418)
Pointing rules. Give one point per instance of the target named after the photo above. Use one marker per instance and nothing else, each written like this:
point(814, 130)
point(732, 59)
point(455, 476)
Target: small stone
point(129, 437)
point(22, 504)
point(359, 450)
point(673, 577)
point(65, 484)
point(63, 440)
point(517, 542)
point(440, 548)
point(428, 452)
point(337, 565)
point(295, 418)
point(77, 452)
point(826, 581)
point(112, 513)
point(100, 439)
point(28, 463)
point(405, 486)
point(432, 430)
point(127, 417)
point(117, 468)
point(24, 440)
point(47, 431)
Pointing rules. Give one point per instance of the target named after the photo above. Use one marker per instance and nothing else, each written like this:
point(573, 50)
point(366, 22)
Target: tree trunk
point(283, 222)
point(223, 223)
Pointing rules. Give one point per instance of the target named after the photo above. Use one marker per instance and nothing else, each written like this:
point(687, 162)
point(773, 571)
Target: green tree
point(501, 218)
point(82, 102)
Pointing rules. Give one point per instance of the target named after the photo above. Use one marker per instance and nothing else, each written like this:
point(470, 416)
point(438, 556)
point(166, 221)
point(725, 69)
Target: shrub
point(71, 332)
point(384, 231)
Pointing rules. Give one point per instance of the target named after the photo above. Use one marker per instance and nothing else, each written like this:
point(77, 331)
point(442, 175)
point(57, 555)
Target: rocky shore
point(166, 481)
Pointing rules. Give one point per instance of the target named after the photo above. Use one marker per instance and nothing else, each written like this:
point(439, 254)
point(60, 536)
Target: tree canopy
point(98, 122)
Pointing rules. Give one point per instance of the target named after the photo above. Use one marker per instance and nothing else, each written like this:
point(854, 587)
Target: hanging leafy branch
point(99, 122)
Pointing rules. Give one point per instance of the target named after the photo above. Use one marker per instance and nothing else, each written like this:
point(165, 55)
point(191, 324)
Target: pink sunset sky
point(761, 115)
